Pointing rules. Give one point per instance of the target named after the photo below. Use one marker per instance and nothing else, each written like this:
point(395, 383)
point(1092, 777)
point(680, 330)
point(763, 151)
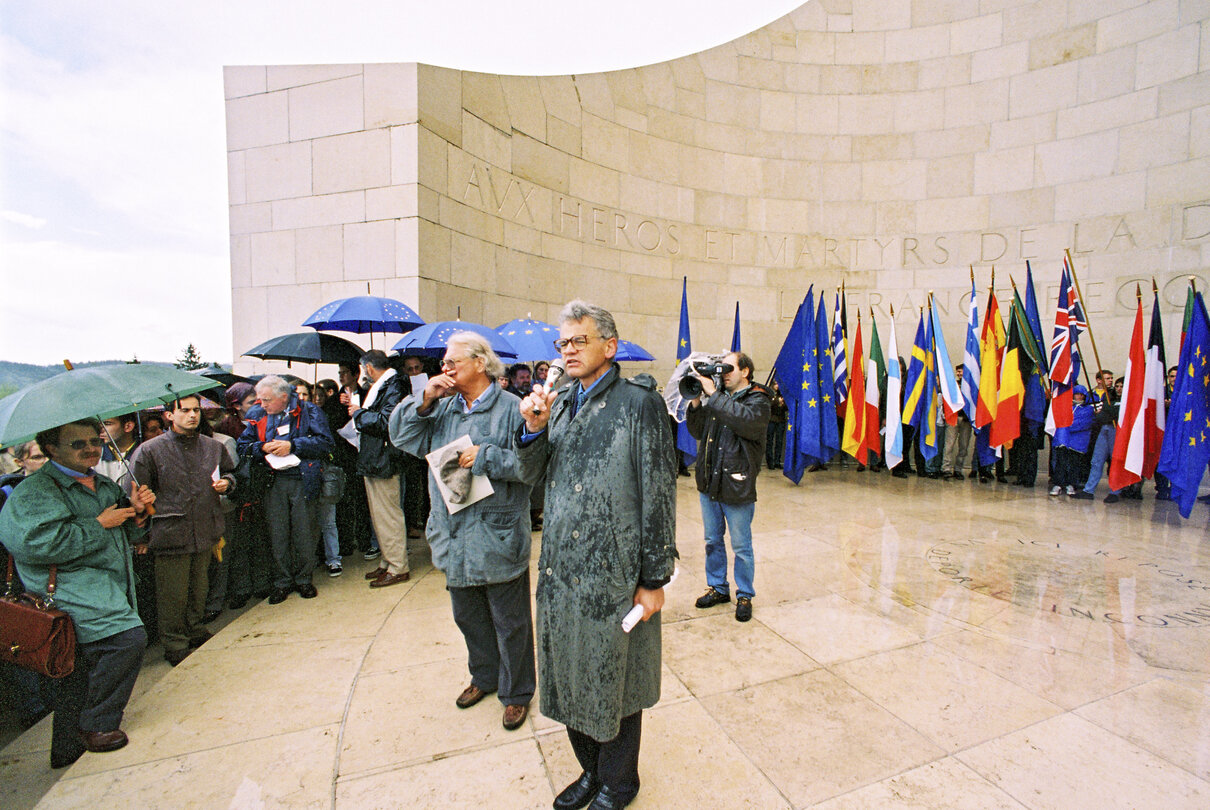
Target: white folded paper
point(282, 462)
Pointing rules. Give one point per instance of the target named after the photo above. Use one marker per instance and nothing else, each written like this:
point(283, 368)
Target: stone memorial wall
point(889, 144)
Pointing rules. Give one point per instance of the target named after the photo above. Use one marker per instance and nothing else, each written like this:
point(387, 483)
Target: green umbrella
point(99, 391)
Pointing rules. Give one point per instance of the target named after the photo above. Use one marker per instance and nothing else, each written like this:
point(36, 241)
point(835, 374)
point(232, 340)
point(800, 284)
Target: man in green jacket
point(68, 516)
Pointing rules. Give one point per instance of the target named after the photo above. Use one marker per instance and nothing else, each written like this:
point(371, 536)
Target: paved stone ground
point(915, 643)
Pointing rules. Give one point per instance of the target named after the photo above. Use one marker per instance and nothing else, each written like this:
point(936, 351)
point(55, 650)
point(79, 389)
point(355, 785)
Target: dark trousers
point(249, 561)
point(94, 696)
point(1067, 471)
point(415, 481)
point(180, 584)
point(353, 514)
point(614, 762)
point(497, 625)
point(1025, 455)
point(292, 536)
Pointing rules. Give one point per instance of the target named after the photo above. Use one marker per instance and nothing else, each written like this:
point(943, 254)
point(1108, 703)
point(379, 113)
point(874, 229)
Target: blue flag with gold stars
point(809, 436)
point(789, 373)
point(829, 428)
point(684, 347)
point(1186, 449)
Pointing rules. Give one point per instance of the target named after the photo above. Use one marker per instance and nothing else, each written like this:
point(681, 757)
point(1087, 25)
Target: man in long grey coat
point(482, 548)
point(609, 543)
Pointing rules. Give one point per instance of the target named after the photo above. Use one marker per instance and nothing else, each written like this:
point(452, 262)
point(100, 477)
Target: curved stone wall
point(892, 144)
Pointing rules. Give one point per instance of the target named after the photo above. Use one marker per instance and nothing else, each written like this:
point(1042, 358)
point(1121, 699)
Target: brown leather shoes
point(386, 579)
point(100, 741)
point(470, 696)
point(515, 715)
point(375, 573)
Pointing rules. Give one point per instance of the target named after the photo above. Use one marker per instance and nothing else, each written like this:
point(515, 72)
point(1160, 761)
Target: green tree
point(190, 360)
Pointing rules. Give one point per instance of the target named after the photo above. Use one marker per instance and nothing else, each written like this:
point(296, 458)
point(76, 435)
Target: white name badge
point(282, 430)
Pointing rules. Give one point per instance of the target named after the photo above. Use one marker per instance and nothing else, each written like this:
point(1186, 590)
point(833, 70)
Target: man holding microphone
point(608, 544)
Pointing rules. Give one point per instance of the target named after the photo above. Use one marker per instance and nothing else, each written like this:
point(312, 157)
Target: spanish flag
point(991, 350)
point(854, 441)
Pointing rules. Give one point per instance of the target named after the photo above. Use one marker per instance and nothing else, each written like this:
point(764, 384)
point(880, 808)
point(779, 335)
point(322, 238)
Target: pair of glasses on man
point(579, 341)
point(80, 444)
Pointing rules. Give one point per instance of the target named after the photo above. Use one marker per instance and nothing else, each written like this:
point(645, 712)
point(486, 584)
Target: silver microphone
point(553, 373)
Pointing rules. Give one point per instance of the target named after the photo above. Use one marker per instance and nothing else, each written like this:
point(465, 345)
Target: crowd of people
point(1077, 457)
point(163, 519)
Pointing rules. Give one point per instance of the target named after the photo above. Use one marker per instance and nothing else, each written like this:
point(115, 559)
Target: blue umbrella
point(632, 351)
point(533, 340)
point(364, 313)
point(430, 340)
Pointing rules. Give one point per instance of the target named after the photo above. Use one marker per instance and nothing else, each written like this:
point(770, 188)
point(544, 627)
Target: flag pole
point(1095, 354)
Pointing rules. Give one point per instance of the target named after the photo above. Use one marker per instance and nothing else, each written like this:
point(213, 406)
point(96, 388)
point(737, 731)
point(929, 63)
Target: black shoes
point(1081, 495)
point(606, 799)
point(579, 793)
point(278, 595)
point(743, 609)
point(306, 591)
point(711, 598)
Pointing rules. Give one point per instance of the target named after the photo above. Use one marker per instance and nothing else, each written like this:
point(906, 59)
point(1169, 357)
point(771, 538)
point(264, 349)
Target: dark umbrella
point(308, 347)
point(533, 340)
point(364, 313)
point(220, 376)
point(632, 352)
point(430, 340)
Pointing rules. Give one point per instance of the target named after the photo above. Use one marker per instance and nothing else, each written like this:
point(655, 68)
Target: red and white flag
point(1136, 448)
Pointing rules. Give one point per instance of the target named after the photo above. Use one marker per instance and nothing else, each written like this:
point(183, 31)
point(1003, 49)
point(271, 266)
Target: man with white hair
point(482, 548)
point(296, 436)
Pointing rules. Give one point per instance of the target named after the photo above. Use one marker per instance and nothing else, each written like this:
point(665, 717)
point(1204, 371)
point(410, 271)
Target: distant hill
point(15, 376)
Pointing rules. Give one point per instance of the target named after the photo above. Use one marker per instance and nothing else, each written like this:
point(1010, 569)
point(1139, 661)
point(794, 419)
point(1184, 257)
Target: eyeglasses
point(579, 341)
point(80, 444)
point(452, 362)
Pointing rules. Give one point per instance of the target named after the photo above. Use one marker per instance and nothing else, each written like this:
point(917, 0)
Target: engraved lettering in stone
point(910, 244)
point(1086, 614)
point(830, 246)
point(1075, 241)
point(943, 253)
point(1122, 231)
point(653, 230)
point(992, 242)
point(564, 214)
point(1027, 243)
point(674, 244)
point(806, 251)
point(711, 243)
point(776, 256)
point(619, 228)
point(882, 250)
point(524, 204)
point(597, 224)
point(473, 182)
point(497, 200)
point(1195, 222)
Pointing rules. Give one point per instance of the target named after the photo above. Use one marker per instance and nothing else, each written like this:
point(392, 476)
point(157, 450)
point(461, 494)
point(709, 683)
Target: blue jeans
point(718, 517)
point(327, 529)
point(1101, 452)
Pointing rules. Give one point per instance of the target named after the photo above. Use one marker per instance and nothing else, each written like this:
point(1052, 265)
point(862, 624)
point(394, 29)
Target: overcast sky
point(113, 190)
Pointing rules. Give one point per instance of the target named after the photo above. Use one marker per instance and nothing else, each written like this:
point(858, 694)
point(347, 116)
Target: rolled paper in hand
point(632, 618)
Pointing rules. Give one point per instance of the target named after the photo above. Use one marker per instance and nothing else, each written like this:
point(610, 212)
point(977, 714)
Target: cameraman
point(730, 426)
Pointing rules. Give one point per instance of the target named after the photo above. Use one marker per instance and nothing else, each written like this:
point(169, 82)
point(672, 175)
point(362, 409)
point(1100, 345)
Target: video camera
point(691, 386)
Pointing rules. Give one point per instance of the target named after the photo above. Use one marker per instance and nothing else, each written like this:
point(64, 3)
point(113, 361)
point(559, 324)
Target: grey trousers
point(498, 627)
point(292, 533)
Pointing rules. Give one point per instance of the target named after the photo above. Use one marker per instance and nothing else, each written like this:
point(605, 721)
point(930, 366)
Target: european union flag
point(684, 347)
point(829, 429)
point(788, 370)
point(1186, 449)
point(809, 400)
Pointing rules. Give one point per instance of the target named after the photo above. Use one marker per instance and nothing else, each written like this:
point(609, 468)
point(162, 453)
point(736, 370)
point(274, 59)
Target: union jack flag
point(1070, 322)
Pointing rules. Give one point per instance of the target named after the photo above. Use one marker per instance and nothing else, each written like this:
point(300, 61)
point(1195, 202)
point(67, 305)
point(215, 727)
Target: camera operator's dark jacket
point(731, 433)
